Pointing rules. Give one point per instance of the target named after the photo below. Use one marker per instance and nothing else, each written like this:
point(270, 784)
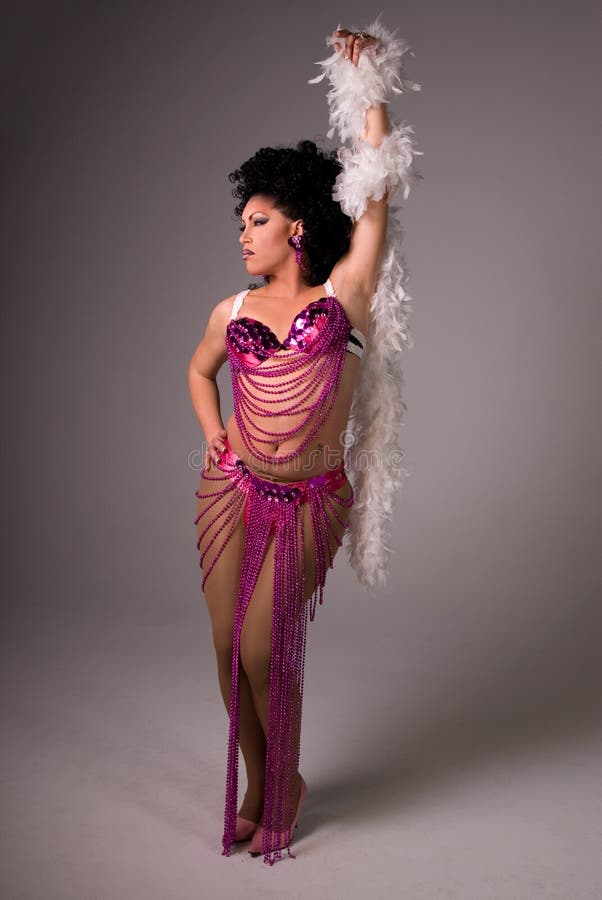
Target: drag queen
point(311, 453)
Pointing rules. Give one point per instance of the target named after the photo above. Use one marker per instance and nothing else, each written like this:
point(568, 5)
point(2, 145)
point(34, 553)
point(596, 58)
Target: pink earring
point(297, 241)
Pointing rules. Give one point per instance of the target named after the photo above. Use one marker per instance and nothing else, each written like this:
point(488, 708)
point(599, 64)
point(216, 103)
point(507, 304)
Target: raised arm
point(377, 160)
point(363, 73)
point(360, 265)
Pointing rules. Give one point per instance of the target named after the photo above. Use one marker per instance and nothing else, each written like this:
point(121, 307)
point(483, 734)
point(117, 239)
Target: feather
point(380, 71)
point(370, 172)
point(373, 454)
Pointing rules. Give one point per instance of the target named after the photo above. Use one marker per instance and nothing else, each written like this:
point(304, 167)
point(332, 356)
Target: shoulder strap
point(238, 303)
point(330, 291)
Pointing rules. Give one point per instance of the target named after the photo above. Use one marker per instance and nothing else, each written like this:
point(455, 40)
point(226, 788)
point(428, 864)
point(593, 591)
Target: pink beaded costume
point(300, 378)
point(301, 375)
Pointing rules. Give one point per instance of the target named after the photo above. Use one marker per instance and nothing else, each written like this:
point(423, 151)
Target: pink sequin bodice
point(252, 341)
point(295, 381)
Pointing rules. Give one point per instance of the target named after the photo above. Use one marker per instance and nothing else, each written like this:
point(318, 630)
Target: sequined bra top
point(295, 382)
point(252, 341)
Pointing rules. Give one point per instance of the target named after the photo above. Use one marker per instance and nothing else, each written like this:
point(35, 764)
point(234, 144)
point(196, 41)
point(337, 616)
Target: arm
point(204, 365)
point(378, 159)
point(357, 271)
point(376, 162)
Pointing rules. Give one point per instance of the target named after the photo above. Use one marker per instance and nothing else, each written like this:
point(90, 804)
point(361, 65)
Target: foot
point(248, 818)
point(245, 829)
point(255, 847)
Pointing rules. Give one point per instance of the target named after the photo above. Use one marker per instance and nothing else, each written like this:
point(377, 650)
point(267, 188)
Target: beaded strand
point(322, 360)
point(272, 507)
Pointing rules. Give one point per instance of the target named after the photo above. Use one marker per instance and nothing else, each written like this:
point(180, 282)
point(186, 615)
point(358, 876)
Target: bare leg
point(255, 652)
point(221, 591)
point(256, 635)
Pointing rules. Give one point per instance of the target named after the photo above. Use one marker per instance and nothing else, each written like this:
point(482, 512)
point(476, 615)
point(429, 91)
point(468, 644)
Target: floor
point(114, 763)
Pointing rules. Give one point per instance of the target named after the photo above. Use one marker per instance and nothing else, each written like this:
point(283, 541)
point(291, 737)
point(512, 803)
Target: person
point(275, 499)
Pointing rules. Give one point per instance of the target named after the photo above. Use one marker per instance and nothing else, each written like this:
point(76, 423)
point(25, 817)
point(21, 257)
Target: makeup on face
point(260, 217)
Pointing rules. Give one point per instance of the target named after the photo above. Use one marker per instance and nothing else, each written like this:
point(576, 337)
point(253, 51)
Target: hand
point(215, 447)
point(354, 44)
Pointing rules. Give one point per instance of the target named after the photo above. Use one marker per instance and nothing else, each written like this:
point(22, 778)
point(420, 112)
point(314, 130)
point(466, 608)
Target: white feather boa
point(373, 453)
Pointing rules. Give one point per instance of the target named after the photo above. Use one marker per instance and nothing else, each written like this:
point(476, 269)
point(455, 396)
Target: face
point(265, 231)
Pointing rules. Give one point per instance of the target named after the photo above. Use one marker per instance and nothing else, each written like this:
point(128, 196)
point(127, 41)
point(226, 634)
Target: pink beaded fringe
point(272, 505)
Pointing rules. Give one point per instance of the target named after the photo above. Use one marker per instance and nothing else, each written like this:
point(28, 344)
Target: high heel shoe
point(255, 848)
point(245, 829)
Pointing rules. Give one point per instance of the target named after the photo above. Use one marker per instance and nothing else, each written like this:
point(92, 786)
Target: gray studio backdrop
point(120, 123)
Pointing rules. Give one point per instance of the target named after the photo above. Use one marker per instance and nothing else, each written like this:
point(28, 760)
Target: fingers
point(216, 448)
point(349, 39)
point(354, 44)
point(220, 446)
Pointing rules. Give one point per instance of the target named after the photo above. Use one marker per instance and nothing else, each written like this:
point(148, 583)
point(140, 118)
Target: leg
point(255, 655)
point(221, 590)
point(321, 529)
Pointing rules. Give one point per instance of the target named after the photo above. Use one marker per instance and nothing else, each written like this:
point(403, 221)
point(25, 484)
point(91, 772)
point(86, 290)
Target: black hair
point(300, 180)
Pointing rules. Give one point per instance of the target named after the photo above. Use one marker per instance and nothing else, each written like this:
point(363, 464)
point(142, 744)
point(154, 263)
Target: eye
point(255, 222)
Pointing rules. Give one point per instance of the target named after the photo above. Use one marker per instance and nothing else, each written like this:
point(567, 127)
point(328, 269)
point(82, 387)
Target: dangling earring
point(298, 242)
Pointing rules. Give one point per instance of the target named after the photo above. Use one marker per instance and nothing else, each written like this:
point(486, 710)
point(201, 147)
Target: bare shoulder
point(219, 317)
point(211, 351)
point(222, 310)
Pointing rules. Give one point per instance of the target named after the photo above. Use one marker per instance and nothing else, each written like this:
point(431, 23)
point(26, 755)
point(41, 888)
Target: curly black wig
point(300, 181)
